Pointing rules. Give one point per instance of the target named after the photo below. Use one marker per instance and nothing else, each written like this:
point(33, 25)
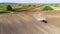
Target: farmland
point(25, 23)
point(14, 8)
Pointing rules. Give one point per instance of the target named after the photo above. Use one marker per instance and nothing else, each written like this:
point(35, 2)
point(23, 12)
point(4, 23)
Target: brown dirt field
point(52, 17)
point(25, 23)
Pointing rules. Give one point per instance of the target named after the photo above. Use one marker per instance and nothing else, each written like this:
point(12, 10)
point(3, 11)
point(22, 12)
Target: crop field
point(25, 22)
point(3, 9)
point(23, 7)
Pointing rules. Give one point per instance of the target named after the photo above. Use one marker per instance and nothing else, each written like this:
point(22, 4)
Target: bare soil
point(25, 23)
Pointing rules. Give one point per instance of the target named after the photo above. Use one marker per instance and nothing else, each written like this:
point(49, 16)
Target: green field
point(3, 9)
point(24, 7)
point(52, 7)
point(4, 12)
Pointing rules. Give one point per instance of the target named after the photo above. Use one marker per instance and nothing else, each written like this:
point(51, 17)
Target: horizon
point(31, 1)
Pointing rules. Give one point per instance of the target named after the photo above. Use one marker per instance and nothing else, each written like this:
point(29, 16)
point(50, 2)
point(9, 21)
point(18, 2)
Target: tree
point(46, 8)
point(9, 8)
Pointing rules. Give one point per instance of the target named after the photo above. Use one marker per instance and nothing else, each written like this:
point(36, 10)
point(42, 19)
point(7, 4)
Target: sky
point(31, 1)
